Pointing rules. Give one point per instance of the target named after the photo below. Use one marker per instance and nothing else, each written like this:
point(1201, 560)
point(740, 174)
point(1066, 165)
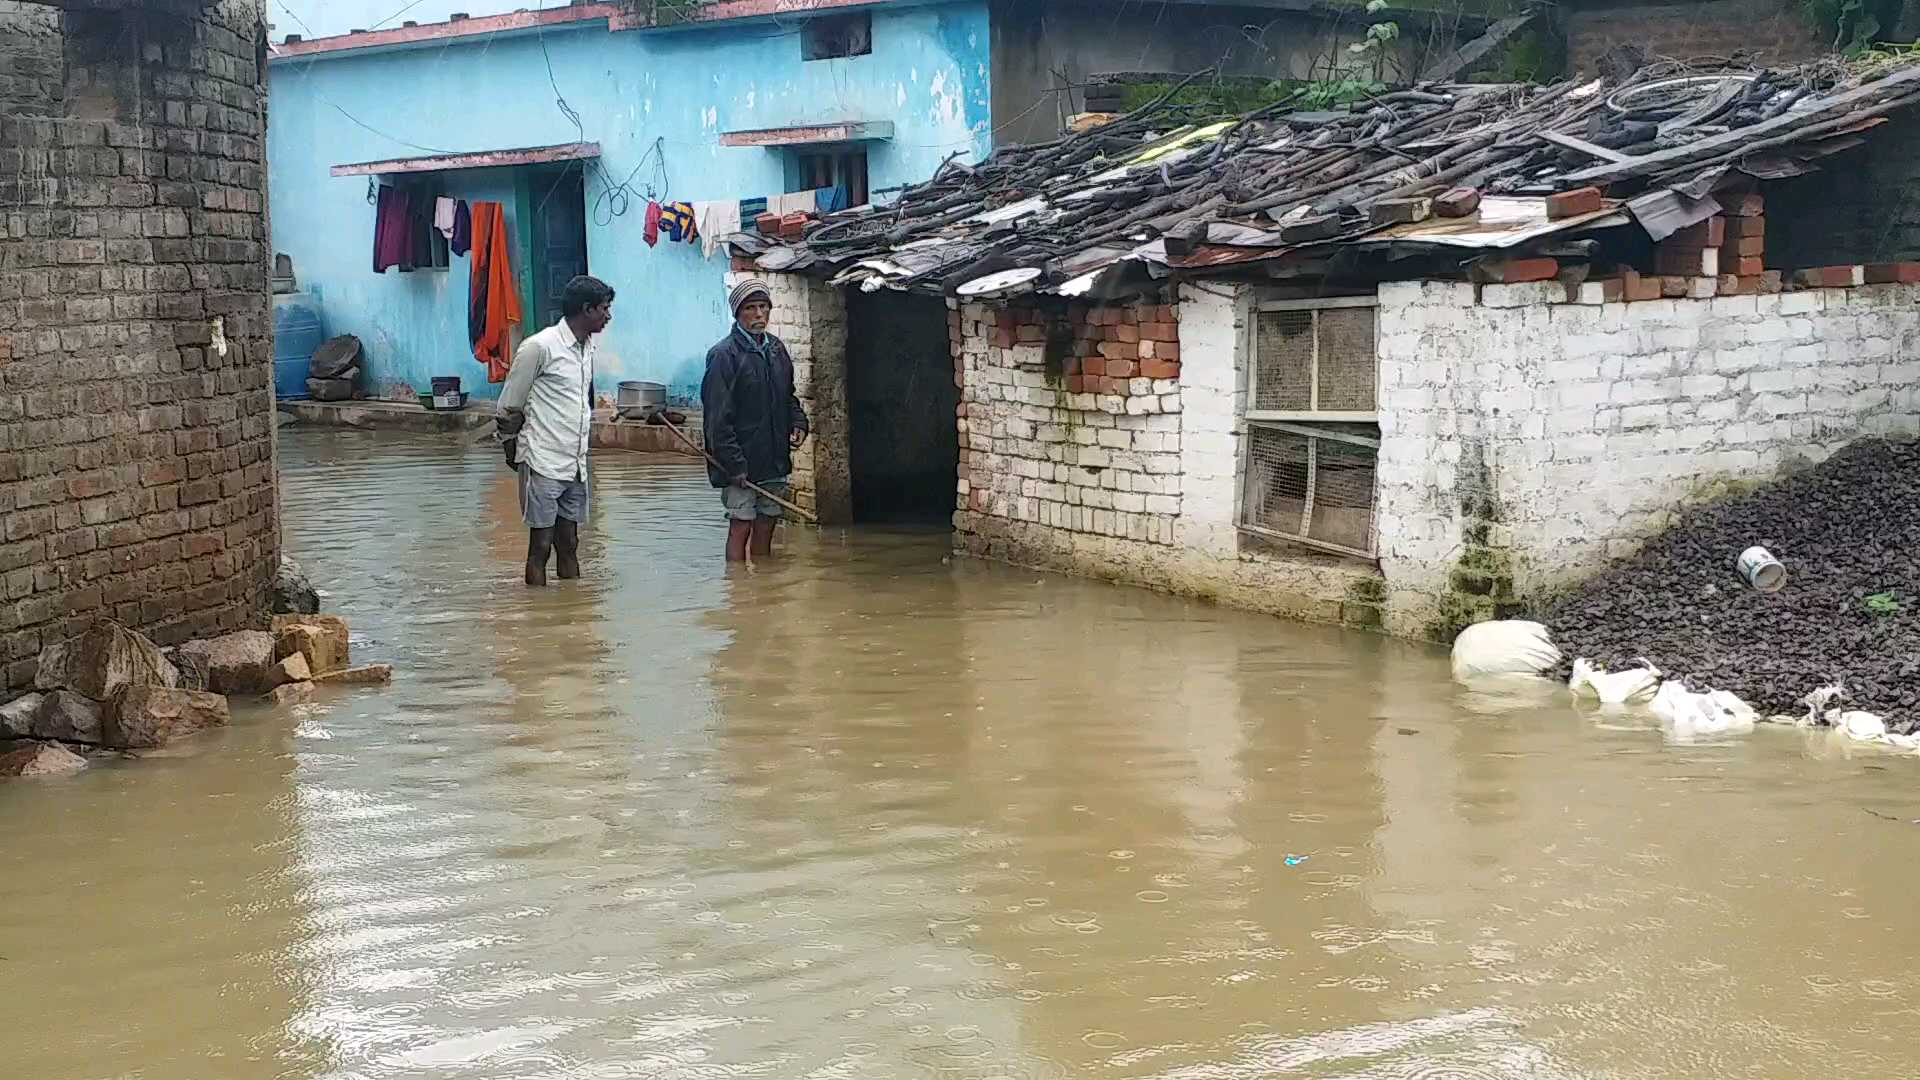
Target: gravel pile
point(1848, 533)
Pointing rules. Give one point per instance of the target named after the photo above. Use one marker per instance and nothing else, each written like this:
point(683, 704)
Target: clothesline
point(713, 221)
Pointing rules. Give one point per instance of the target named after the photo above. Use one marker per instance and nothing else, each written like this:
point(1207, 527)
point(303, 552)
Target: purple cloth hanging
point(392, 237)
point(462, 228)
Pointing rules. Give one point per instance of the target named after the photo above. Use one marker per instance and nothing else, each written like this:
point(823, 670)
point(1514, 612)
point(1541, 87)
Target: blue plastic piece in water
point(1296, 860)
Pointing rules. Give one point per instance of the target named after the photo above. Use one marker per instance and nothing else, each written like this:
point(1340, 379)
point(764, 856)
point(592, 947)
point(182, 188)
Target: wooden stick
point(480, 433)
point(702, 451)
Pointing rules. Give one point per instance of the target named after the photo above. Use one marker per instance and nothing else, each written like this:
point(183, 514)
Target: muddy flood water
point(869, 814)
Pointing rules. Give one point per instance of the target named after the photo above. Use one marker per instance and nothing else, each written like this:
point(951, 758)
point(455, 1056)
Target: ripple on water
point(860, 814)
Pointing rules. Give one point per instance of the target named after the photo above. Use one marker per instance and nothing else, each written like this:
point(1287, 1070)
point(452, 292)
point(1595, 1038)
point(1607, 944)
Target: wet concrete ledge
point(609, 432)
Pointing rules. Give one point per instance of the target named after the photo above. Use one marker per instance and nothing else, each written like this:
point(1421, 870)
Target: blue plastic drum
point(297, 334)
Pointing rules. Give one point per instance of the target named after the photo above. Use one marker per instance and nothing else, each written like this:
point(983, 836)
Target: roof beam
point(482, 159)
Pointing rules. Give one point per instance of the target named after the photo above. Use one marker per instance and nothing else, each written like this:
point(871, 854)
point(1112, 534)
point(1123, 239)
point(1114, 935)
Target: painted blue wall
point(928, 75)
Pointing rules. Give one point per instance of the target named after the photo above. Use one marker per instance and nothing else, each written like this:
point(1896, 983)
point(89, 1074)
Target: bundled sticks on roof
point(1287, 176)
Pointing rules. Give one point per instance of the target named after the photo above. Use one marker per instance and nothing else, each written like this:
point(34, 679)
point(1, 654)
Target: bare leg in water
point(763, 537)
point(738, 533)
point(566, 548)
point(539, 546)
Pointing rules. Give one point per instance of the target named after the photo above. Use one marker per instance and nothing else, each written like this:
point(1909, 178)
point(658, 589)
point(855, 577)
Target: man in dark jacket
point(753, 421)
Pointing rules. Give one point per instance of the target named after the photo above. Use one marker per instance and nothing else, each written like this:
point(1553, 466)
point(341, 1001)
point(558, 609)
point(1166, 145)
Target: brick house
point(1341, 431)
point(136, 421)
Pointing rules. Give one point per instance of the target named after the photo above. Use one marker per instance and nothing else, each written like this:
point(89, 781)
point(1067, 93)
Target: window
point(836, 36)
point(1312, 433)
point(842, 169)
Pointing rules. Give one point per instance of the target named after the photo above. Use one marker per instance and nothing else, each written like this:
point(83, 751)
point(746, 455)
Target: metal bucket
point(1762, 570)
point(641, 399)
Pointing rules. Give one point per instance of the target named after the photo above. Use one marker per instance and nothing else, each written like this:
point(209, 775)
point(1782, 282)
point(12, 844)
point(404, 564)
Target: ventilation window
point(836, 36)
point(1311, 440)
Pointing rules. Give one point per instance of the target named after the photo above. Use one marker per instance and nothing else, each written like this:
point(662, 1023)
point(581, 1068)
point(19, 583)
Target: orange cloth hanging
point(493, 302)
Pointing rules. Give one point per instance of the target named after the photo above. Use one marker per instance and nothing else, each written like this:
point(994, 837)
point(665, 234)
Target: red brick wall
point(136, 408)
point(1085, 442)
point(1776, 31)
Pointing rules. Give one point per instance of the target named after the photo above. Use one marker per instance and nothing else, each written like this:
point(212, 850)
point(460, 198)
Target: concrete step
point(609, 432)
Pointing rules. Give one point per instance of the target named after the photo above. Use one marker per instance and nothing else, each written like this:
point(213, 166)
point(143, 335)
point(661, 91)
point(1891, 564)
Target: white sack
point(1507, 647)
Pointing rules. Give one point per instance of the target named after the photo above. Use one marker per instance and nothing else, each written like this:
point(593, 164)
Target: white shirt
point(552, 381)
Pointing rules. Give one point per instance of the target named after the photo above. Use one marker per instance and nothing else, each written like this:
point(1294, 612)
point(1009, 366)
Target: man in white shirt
point(546, 414)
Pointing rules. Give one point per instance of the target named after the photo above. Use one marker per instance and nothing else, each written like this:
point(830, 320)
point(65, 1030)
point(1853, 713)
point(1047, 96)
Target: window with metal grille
point(1311, 442)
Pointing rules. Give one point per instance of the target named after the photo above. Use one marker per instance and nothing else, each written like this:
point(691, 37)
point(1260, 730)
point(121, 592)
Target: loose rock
point(322, 639)
point(41, 759)
point(292, 593)
point(239, 663)
point(292, 669)
point(52, 672)
point(69, 717)
point(370, 675)
point(291, 694)
point(103, 661)
point(190, 668)
point(1848, 532)
point(147, 717)
point(17, 716)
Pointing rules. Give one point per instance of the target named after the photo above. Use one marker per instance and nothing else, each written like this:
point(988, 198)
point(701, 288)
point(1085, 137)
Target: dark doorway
point(559, 238)
point(903, 439)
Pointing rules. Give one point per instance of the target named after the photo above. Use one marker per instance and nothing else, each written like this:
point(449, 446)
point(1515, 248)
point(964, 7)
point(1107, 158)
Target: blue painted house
point(574, 117)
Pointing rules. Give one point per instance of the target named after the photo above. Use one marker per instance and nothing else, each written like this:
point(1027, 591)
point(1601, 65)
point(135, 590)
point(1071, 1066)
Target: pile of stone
point(108, 689)
point(1848, 532)
point(111, 689)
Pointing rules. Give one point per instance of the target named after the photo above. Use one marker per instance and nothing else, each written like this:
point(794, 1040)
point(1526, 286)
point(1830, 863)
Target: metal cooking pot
point(641, 399)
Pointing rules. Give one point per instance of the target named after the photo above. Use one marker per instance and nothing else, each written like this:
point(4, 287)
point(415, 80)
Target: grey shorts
point(745, 504)
point(543, 500)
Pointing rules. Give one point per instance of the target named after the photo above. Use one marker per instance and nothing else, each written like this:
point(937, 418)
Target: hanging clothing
point(794, 202)
point(832, 200)
point(677, 220)
point(419, 233)
point(652, 233)
point(752, 208)
point(461, 241)
point(717, 221)
point(391, 243)
point(493, 302)
point(443, 217)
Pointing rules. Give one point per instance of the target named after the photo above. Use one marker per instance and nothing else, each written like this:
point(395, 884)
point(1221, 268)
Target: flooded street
point(865, 814)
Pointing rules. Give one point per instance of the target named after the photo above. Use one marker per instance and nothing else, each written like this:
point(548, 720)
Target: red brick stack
point(1729, 248)
point(1112, 345)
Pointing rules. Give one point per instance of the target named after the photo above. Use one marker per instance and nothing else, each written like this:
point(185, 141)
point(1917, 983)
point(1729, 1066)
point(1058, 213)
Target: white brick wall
point(1102, 464)
point(1522, 438)
point(1590, 425)
point(1131, 494)
point(1213, 323)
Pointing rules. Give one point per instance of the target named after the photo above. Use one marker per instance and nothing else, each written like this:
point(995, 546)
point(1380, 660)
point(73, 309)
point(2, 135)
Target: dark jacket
point(750, 409)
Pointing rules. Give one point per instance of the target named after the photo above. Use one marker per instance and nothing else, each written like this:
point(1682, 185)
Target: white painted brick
point(1522, 295)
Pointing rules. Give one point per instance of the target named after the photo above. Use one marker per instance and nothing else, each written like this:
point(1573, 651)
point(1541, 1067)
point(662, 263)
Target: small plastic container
point(1762, 570)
